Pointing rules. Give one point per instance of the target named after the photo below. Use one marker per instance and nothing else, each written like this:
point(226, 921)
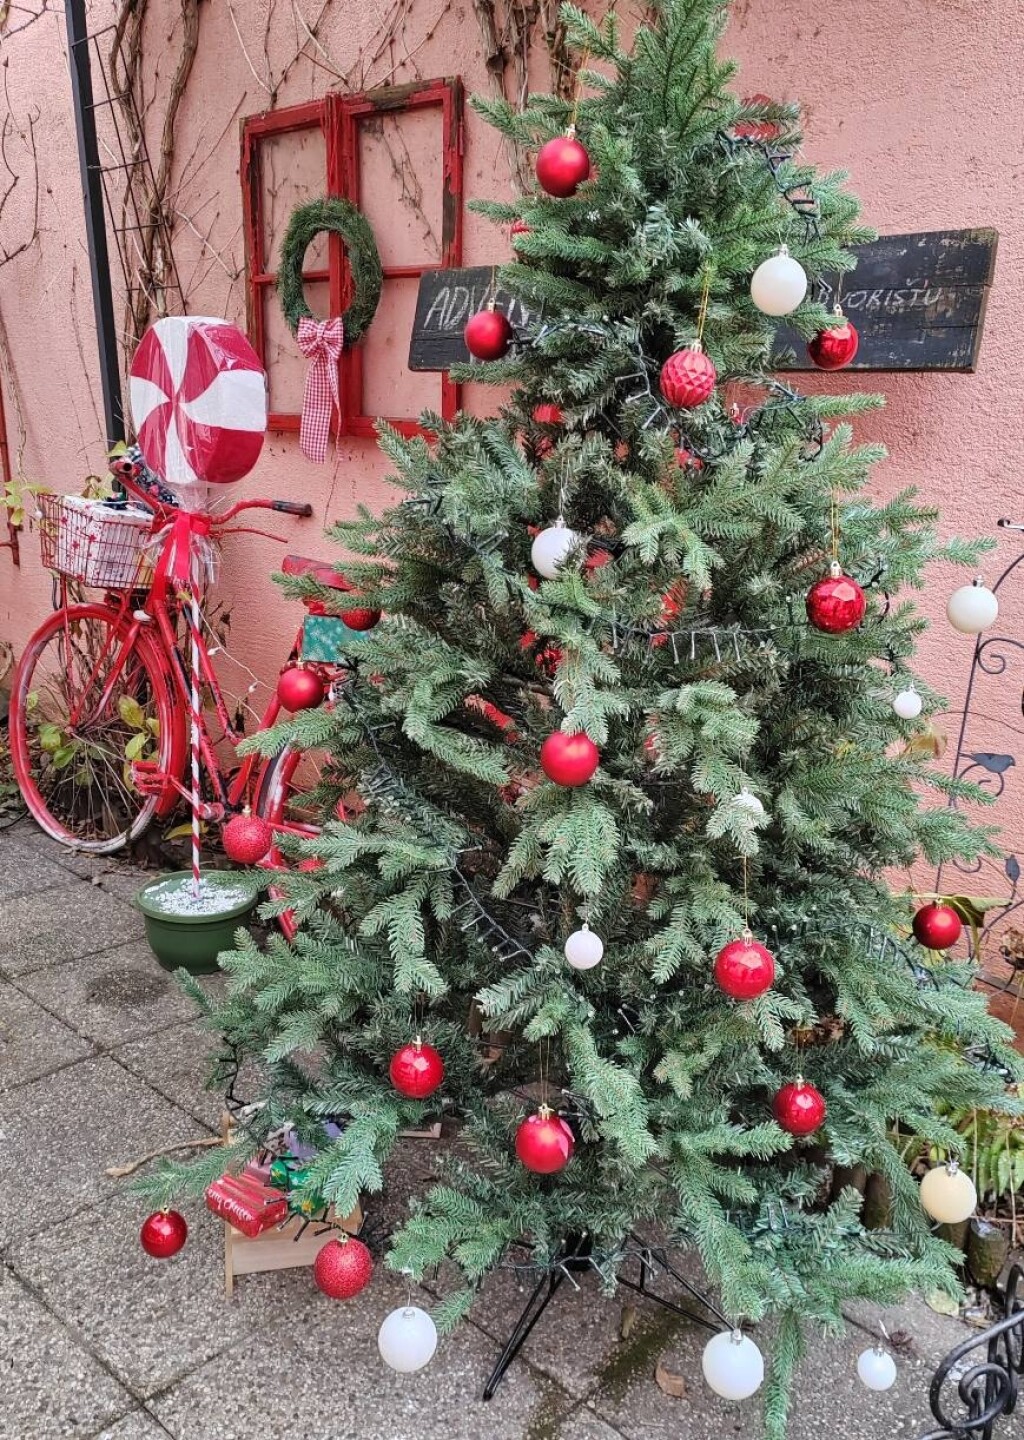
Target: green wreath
point(341, 217)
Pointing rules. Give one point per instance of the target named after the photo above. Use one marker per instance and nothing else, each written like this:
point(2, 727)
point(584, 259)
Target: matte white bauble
point(584, 949)
point(972, 609)
point(733, 1365)
point(779, 284)
point(877, 1369)
point(551, 548)
point(948, 1195)
point(407, 1339)
point(908, 704)
point(747, 800)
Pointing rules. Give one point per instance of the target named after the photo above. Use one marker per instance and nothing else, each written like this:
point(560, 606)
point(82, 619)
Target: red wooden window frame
point(339, 118)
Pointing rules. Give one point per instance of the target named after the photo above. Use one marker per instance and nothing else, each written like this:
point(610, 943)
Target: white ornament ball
point(584, 949)
point(877, 1369)
point(733, 1365)
point(972, 608)
point(948, 1195)
point(779, 284)
point(747, 800)
point(407, 1339)
point(550, 549)
point(908, 704)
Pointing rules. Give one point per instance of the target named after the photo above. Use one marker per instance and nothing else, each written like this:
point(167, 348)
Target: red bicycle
point(100, 707)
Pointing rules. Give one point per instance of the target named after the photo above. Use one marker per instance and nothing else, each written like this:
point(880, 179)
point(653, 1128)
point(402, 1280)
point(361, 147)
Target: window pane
point(390, 388)
point(285, 366)
point(293, 170)
point(400, 163)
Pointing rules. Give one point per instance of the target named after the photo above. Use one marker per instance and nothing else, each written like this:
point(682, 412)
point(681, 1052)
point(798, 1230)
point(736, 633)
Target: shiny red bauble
point(569, 759)
point(361, 618)
point(686, 460)
point(744, 969)
point(799, 1108)
point(548, 414)
point(687, 378)
point(342, 1268)
point(298, 688)
point(544, 1142)
point(832, 349)
point(517, 229)
point(937, 927)
point(836, 603)
point(163, 1234)
point(488, 335)
point(246, 839)
point(416, 1070)
point(562, 166)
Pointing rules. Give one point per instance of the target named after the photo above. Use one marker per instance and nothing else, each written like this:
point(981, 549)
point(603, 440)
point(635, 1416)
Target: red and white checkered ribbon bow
point(321, 342)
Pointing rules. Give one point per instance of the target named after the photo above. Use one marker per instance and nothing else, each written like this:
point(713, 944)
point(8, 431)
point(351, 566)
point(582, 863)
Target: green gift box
point(326, 638)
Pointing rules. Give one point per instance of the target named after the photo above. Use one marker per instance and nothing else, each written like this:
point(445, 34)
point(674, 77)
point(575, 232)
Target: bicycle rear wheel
point(85, 704)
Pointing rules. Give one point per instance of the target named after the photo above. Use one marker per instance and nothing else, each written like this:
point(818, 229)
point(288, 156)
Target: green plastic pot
point(192, 942)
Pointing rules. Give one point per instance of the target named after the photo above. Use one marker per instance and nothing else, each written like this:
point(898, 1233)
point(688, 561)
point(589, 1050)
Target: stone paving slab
point(25, 870)
point(65, 1129)
point(63, 923)
point(174, 1062)
point(32, 1042)
point(115, 995)
point(139, 1425)
point(58, 1388)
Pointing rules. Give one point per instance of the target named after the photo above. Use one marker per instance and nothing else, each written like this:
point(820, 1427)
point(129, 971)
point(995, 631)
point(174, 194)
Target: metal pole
point(95, 221)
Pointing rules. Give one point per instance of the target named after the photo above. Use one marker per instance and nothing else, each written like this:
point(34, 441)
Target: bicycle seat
point(322, 571)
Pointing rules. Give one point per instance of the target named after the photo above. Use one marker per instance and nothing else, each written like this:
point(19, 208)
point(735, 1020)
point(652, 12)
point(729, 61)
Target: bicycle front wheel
point(88, 702)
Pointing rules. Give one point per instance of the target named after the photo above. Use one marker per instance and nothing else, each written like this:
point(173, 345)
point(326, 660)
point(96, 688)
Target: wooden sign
point(918, 302)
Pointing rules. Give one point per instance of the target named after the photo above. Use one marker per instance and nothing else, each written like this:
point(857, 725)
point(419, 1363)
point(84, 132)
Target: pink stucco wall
point(921, 102)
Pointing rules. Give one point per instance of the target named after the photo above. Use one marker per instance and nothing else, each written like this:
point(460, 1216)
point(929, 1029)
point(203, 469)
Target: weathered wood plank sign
point(918, 302)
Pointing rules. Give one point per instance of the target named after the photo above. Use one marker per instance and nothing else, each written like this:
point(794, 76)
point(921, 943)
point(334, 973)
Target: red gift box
point(246, 1203)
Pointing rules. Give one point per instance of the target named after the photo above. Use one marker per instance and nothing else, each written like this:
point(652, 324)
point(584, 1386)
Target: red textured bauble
point(360, 619)
point(416, 1070)
point(832, 349)
point(569, 759)
point(937, 927)
point(799, 1108)
point(544, 1142)
point(562, 166)
point(488, 335)
point(836, 603)
point(246, 839)
point(548, 414)
point(687, 378)
point(163, 1234)
point(299, 689)
point(744, 969)
point(343, 1268)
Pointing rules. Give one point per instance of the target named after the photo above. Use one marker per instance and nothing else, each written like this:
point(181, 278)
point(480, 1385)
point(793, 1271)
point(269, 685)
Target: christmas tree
point(630, 776)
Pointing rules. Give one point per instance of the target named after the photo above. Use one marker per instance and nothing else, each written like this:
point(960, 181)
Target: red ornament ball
point(246, 839)
point(687, 378)
point(544, 1142)
point(832, 349)
point(936, 926)
point(488, 335)
point(562, 166)
point(836, 603)
point(163, 1234)
point(360, 618)
point(569, 759)
point(343, 1268)
point(799, 1108)
point(416, 1070)
point(744, 969)
point(686, 460)
point(548, 414)
point(517, 229)
point(299, 688)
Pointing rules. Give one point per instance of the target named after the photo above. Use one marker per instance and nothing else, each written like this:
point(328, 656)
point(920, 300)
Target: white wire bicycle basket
point(96, 543)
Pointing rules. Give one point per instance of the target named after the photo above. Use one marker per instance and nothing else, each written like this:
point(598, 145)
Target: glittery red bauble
point(562, 165)
point(361, 619)
point(597, 560)
point(937, 927)
point(548, 414)
point(343, 1268)
point(687, 378)
point(518, 228)
point(416, 1071)
point(763, 130)
point(832, 349)
point(569, 759)
point(836, 604)
point(163, 1234)
point(246, 839)
point(744, 969)
point(687, 461)
point(544, 1143)
point(298, 688)
point(488, 335)
point(799, 1108)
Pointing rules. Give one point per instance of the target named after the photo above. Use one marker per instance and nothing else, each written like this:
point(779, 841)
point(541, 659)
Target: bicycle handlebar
point(292, 507)
point(125, 475)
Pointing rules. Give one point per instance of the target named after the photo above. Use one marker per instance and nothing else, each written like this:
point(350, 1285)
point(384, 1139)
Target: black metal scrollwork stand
point(987, 1391)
